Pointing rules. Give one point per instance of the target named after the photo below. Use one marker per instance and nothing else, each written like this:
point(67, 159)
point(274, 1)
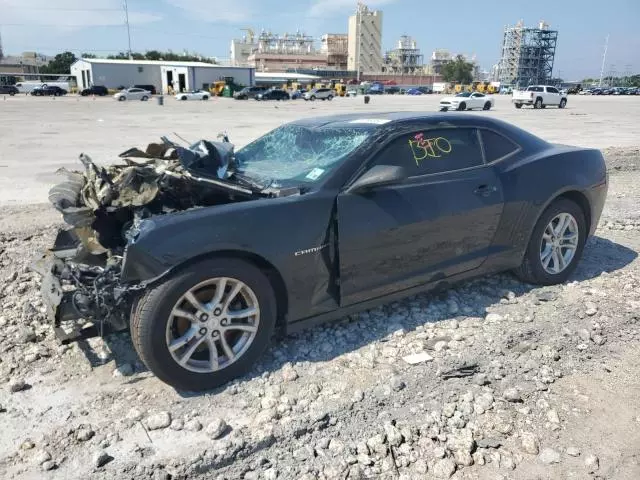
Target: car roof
point(392, 120)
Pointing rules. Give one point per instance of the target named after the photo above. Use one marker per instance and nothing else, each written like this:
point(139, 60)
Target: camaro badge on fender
point(310, 250)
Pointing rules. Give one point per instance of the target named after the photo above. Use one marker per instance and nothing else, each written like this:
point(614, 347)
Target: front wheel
point(556, 244)
point(313, 98)
point(121, 99)
point(206, 325)
point(563, 103)
point(518, 105)
point(462, 106)
point(205, 97)
point(183, 98)
point(330, 97)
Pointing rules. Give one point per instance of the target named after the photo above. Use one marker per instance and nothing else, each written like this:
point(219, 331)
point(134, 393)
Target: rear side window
point(433, 151)
point(496, 146)
point(552, 90)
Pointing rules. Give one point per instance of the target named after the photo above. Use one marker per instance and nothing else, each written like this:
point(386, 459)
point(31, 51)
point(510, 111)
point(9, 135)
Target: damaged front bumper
point(81, 292)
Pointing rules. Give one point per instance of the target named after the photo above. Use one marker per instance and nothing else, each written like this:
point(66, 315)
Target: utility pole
point(126, 16)
point(604, 58)
point(359, 40)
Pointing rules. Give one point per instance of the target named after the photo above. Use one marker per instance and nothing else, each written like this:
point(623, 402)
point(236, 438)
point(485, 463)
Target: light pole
point(126, 16)
point(604, 57)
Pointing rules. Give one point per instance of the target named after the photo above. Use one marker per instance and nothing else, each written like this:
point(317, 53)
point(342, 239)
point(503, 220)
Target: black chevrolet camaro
point(315, 220)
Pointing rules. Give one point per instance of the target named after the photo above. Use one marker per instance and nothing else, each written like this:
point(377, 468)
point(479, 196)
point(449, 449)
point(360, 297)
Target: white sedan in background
point(132, 94)
point(193, 95)
point(467, 101)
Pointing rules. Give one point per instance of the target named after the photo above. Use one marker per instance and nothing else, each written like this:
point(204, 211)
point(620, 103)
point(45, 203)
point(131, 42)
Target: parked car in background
point(352, 92)
point(193, 95)
point(467, 101)
point(132, 94)
point(273, 94)
point(375, 89)
point(539, 96)
point(9, 90)
point(148, 88)
point(320, 94)
point(95, 90)
point(48, 91)
point(426, 90)
point(414, 91)
point(392, 90)
point(295, 94)
point(248, 92)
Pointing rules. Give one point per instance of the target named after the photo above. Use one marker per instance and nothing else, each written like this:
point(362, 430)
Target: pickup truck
point(539, 96)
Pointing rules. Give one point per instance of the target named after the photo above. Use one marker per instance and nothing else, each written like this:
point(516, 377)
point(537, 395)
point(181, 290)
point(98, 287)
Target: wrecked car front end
point(106, 208)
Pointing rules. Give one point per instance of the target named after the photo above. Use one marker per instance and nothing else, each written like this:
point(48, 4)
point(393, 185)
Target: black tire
point(144, 99)
point(152, 312)
point(563, 103)
point(462, 106)
point(330, 97)
point(205, 98)
point(518, 105)
point(487, 106)
point(183, 98)
point(532, 270)
point(313, 98)
point(121, 99)
point(538, 103)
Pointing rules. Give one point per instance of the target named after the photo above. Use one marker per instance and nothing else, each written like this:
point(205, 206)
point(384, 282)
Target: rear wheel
point(462, 106)
point(563, 103)
point(205, 325)
point(538, 103)
point(330, 97)
point(518, 105)
point(183, 98)
point(556, 244)
point(145, 98)
point(487, 106)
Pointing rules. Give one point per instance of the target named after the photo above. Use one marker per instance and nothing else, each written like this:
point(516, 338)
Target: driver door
point(438, 222)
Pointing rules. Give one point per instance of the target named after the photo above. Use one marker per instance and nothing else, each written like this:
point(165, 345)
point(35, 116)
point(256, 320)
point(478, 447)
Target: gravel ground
point(493, 379)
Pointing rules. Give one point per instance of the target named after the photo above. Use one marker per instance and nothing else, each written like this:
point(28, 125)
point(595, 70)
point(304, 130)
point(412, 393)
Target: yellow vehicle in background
point(341, 89)
point(217, 88)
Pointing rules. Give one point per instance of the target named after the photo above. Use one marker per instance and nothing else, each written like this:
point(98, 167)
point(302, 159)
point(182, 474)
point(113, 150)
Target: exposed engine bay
point(104, 208)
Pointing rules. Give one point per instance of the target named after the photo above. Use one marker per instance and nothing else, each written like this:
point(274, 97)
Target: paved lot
point(39, 135)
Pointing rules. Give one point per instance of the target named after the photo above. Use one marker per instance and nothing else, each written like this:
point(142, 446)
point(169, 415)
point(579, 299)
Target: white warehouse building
point(182, 76)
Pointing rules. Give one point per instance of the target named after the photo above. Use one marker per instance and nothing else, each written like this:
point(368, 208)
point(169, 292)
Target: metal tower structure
point(1, 51)
point(406, 58)
point(527, 55)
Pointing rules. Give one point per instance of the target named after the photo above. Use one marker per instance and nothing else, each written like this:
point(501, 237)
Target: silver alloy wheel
point(213, 324)
point(559, 243)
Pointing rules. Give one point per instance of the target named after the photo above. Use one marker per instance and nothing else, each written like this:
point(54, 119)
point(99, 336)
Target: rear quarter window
point(496, 146)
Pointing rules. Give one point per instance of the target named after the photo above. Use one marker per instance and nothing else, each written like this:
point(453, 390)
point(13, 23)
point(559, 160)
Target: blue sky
point(202, 26)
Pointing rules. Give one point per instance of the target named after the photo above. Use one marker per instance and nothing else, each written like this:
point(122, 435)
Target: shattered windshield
point(294, 152)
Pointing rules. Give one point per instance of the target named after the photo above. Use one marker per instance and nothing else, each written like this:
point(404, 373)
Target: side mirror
point(378, 176)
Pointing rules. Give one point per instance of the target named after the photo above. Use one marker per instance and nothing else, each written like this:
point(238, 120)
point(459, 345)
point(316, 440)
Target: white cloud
point(326, 8)
point(70, 14)
point(235, 11)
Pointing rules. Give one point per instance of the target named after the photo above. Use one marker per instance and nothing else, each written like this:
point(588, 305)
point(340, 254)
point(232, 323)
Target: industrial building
point(527, 55)
point(335, 47)
point(182, 76)
point(405, 59)
point(365, 41)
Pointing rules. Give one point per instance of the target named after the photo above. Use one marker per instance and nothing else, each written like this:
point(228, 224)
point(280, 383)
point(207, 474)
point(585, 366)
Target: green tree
point(458, 70)
point(89, 55)
point(60, 64)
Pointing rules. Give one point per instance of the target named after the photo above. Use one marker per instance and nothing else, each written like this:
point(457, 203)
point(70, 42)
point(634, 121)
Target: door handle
point(485, 190)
